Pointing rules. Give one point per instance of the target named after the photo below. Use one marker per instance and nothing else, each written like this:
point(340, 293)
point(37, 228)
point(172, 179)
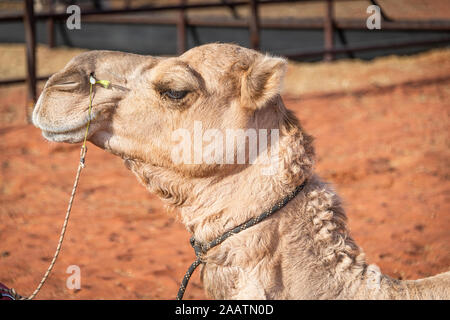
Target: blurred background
point(376, 100)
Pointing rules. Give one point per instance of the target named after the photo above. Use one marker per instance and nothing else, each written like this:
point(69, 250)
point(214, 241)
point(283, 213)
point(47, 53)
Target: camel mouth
point(70, 131)
point(71, 136)
point(64, 129)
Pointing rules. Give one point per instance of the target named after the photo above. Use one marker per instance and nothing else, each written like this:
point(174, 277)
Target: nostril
point(66, 85)
point(67, 80)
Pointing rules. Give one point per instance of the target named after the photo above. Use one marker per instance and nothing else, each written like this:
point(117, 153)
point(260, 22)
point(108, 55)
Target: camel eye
point(175, 95)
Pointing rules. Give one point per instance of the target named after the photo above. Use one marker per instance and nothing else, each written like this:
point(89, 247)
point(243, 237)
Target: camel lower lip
point(70, 130)
point(72, 136)
point(65, 131)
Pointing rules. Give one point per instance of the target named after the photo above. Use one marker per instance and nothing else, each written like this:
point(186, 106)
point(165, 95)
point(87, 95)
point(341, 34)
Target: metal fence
point(329, 24)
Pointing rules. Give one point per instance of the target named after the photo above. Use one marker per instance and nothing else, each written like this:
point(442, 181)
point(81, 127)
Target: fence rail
point(135, 16)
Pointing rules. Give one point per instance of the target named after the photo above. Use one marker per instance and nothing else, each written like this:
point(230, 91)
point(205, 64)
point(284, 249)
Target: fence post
point(50, 26)
point(181, 30)
point(254, 25)
point(328, 30)
point(30, 38)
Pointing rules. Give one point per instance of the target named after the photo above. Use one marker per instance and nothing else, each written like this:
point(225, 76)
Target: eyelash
point(175, 95)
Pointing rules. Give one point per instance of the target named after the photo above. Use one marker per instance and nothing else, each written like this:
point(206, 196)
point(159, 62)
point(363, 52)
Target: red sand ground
point(385, 151)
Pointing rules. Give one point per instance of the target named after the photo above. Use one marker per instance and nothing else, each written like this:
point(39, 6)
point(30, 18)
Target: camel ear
point(262, 81)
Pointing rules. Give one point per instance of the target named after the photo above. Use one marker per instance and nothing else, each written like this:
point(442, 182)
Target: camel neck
point(218, 204)
point(202, 248)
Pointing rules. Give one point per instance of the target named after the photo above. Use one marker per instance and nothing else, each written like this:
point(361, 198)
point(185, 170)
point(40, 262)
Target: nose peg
point(104, 83)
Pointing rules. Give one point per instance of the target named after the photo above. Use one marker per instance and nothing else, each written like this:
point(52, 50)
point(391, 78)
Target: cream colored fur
point(304, 251)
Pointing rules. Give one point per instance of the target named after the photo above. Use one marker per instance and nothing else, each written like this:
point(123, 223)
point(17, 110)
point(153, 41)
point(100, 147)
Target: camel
point(304, 250)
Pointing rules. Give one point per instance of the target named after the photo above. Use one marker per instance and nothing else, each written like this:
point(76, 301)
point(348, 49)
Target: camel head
point(220, 85)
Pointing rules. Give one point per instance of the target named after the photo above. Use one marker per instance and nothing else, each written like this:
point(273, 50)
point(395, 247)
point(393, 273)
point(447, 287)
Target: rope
point(64, 227)
point(11, 292)
point(187, 277)
point(201, 249)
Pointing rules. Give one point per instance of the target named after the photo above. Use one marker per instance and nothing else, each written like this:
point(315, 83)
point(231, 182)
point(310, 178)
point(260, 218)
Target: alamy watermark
point(74, 20)
point(73, 281)
point(374, 20)
point(214, 146)
point(373, 277)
